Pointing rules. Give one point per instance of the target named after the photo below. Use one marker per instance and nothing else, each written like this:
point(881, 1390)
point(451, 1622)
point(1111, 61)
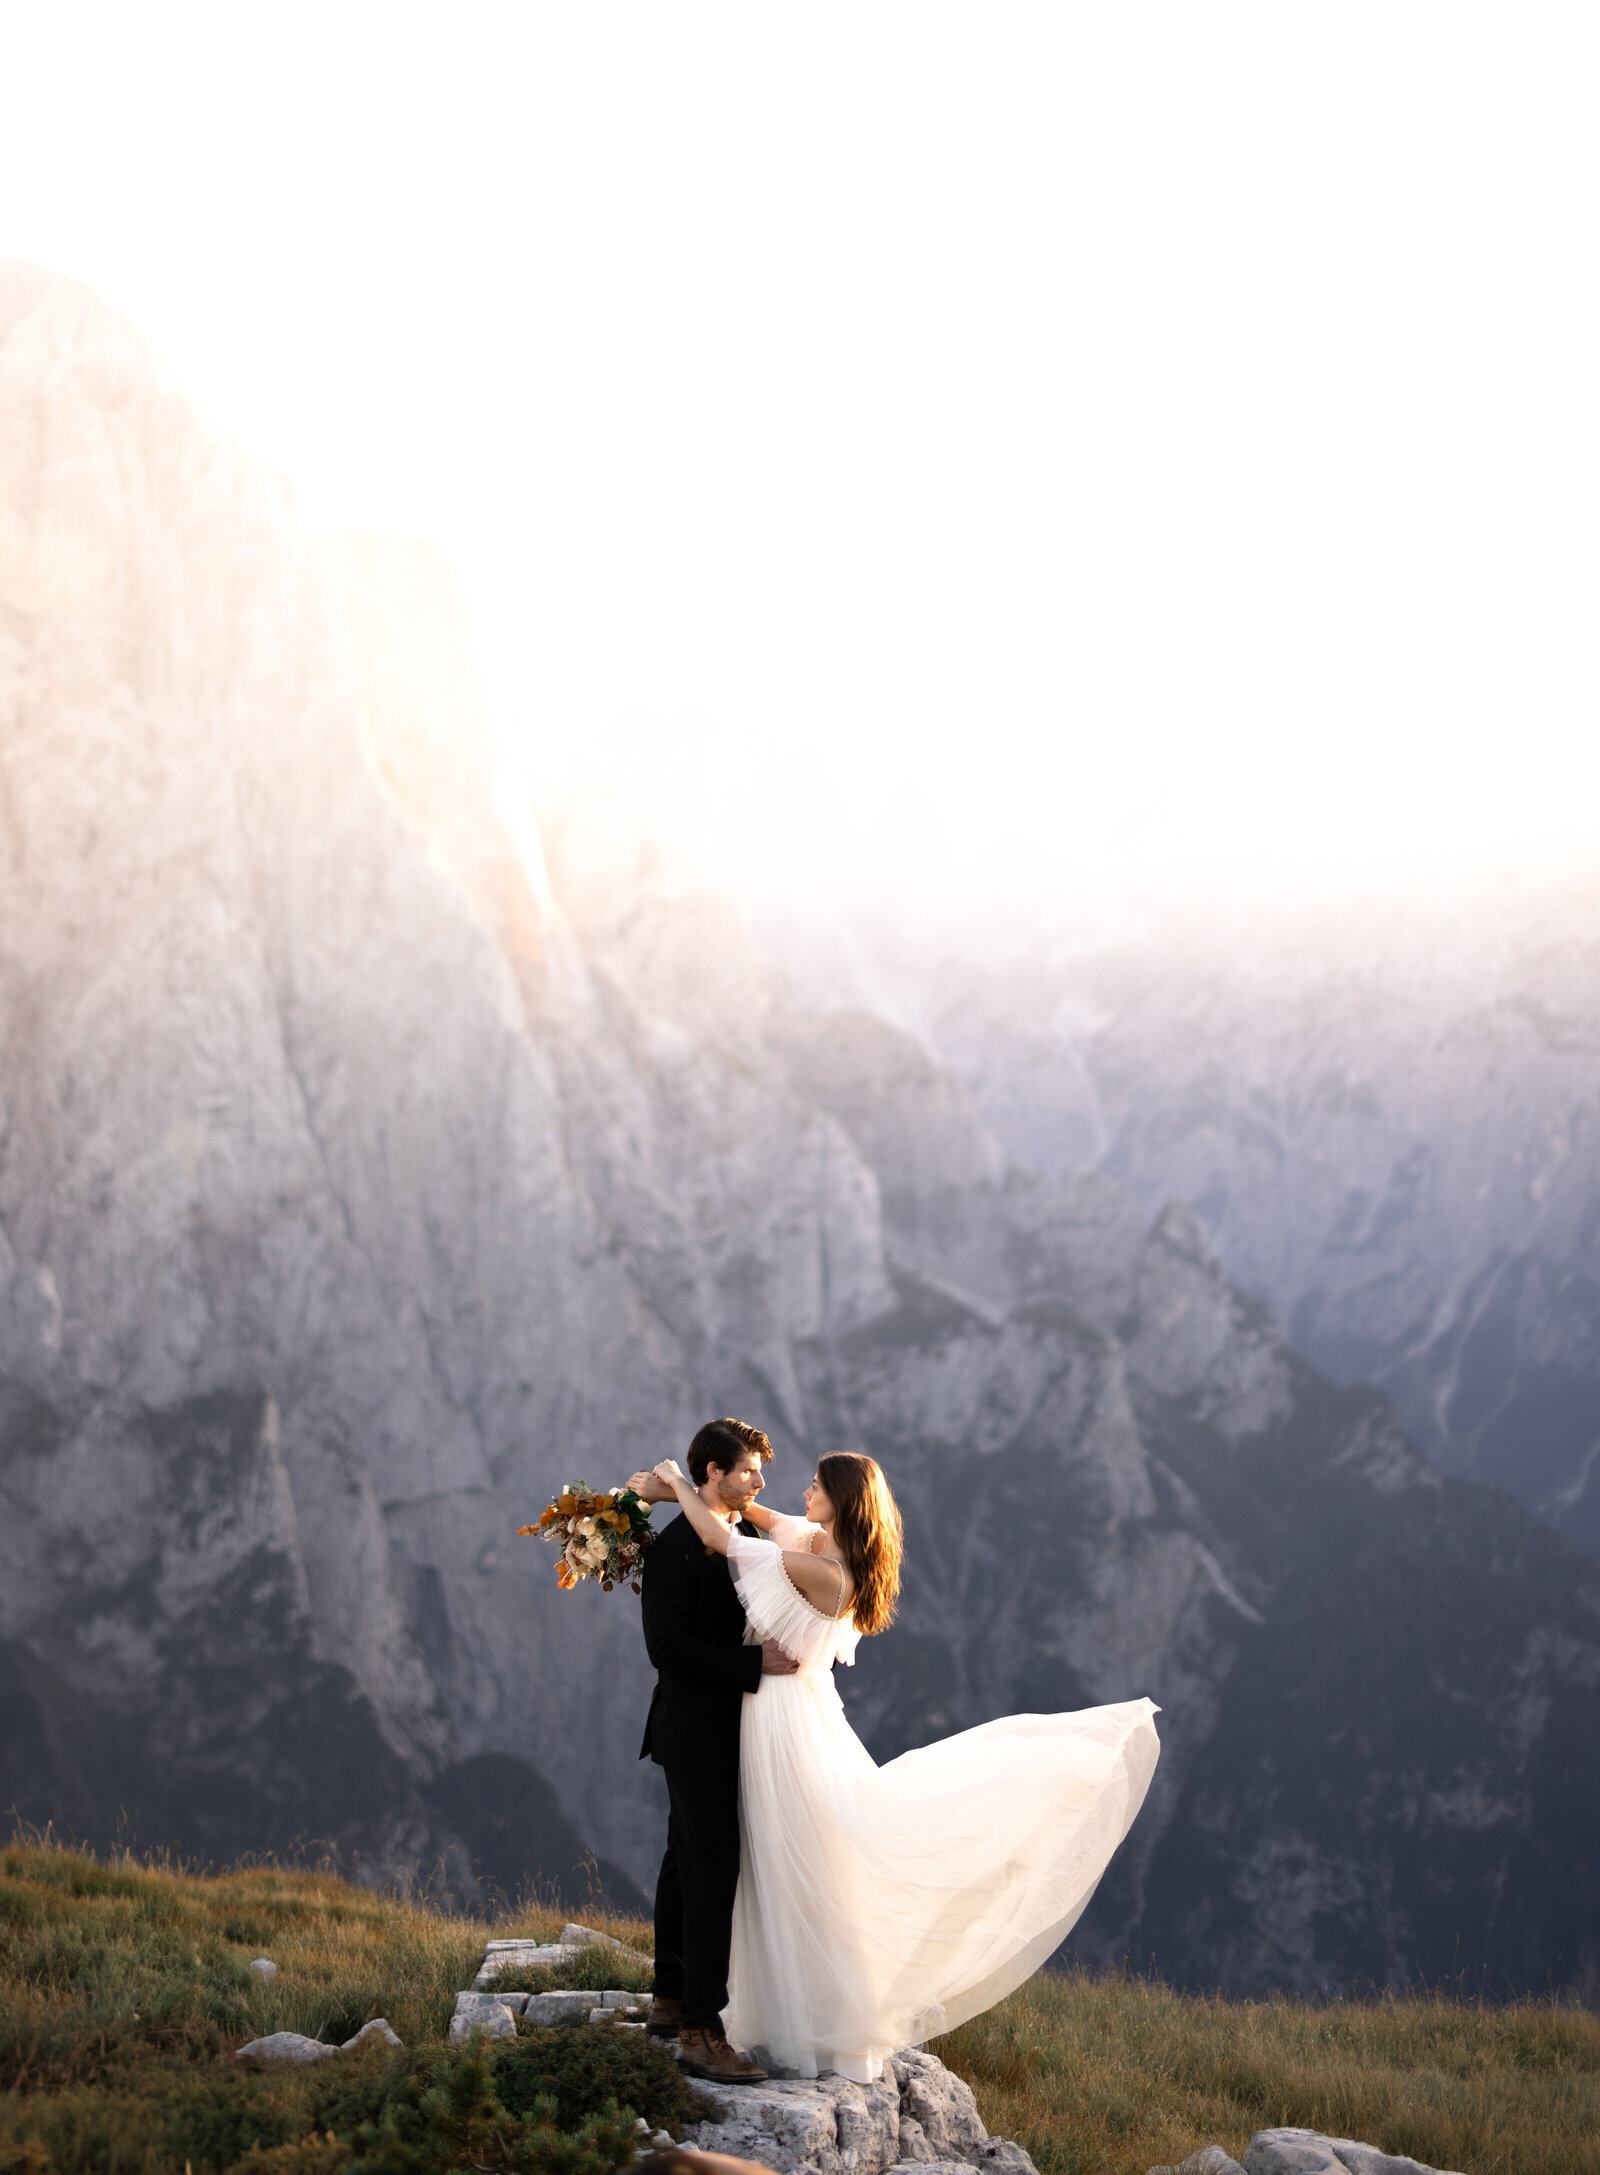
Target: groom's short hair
point(723, 1443)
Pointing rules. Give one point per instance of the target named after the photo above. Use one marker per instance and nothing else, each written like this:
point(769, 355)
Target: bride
point(878, 1906)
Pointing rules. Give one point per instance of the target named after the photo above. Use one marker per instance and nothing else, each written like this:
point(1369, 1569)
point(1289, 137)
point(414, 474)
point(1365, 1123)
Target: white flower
point(586, 1525)
point(595, 1549)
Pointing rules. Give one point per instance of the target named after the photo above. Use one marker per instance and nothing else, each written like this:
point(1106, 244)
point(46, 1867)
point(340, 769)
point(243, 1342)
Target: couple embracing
point(813, 1907)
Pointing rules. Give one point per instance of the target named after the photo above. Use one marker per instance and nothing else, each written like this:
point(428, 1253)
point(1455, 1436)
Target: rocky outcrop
point(1308, 2152)
point(919, 2114)
point(297, 2048)
point(1298, 2152)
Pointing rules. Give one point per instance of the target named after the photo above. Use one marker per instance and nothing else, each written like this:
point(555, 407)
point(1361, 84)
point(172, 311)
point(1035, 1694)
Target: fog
point(958, 450)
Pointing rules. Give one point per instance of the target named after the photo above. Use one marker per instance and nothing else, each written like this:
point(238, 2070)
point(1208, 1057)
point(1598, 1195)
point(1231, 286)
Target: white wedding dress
point(878, 1906)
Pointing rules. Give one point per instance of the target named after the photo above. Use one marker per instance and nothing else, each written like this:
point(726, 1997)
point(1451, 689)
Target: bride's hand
point(668, 1472)
point(646, 1486)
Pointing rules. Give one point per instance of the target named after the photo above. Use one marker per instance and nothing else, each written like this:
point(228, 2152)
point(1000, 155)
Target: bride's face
point(819, 1510)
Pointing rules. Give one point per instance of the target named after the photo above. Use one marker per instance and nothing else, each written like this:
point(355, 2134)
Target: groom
point(694, 1633)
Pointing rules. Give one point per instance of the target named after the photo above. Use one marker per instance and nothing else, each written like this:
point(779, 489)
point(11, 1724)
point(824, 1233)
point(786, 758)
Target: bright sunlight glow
point(946, 446)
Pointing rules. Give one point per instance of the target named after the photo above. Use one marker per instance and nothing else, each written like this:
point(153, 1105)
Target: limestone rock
point(1308, 2152)
point(285, 2047)
point(1209, 2160)
point(377, 2027)
point(556, 2008)
point(867, 2126)
point(484, 2013)
point(1368, 2160)
point(616, 2008)
point(826, 2123)
point(1003, 2155)
point(833, 2126)
point(264, 1968)
point(1291, 2152)
point(575, 1937)
point(914, 2146)
point(503, 1956)
point(941, 2103)
point(780, 2126)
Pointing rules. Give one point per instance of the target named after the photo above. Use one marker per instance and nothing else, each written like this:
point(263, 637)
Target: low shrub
point(445, 2111)
point(580, 2070)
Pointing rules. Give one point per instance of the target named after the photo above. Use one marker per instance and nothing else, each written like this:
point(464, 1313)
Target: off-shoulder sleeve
point(774, 1608)
point(792, 1532)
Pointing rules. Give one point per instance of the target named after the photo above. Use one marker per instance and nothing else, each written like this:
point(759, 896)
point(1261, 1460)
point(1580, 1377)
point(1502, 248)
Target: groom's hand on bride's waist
point(775, 1662)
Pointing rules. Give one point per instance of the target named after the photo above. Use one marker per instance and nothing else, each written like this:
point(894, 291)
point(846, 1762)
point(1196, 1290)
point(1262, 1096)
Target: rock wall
point(1385, 1117)
point(374, 1158)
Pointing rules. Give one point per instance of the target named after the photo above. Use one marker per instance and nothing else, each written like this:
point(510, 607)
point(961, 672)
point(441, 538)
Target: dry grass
point(96, 1957)
point(1113, 2075)
point(125, 1989)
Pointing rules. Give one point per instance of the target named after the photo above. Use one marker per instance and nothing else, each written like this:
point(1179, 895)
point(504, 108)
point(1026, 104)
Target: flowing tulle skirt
point(878, 1906)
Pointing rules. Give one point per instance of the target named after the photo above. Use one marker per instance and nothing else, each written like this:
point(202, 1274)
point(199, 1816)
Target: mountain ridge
point(378, 1152)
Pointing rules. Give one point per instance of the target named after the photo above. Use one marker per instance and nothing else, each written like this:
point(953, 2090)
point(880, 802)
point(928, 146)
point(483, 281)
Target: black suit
point(694, 1633)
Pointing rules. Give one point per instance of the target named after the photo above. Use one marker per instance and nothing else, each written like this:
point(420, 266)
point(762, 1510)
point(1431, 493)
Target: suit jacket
point(694, 1635)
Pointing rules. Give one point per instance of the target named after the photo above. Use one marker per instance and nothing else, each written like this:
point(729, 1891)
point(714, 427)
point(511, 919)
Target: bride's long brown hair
point(866, 1525)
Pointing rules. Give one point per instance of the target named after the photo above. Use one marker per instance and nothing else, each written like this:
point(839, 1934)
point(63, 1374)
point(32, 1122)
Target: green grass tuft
point(597, 1967)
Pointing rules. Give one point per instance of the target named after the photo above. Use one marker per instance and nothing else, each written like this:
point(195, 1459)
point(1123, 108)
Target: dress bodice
point(774, 1606)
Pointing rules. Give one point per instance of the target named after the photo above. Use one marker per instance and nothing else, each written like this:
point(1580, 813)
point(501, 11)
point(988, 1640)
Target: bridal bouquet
point(601, 1536)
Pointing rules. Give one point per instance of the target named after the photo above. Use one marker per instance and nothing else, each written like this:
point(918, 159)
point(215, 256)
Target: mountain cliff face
point(373, 1159)
point(1386, 1119)
point(1116, 1475)
point(309, 1094)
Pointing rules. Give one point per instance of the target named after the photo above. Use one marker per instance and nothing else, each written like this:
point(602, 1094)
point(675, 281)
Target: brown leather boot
point(708, 2054)
point(662, 2022)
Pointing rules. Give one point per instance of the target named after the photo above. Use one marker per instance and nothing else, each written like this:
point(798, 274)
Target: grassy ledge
point(1113, 2075)
point(125, 1989)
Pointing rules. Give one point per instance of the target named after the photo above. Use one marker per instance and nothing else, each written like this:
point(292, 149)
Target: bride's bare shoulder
point(822, 1580)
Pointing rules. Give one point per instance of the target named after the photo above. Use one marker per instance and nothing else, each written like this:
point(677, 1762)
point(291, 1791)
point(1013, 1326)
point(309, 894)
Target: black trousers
point(695, 1891)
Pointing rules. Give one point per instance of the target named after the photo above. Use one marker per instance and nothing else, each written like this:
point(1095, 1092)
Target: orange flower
point(530, 1529)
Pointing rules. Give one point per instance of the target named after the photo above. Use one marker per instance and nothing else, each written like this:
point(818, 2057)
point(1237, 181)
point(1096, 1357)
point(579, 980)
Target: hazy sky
point(1025, 439)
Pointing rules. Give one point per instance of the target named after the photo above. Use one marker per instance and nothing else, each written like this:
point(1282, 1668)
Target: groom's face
point(740, 1484)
